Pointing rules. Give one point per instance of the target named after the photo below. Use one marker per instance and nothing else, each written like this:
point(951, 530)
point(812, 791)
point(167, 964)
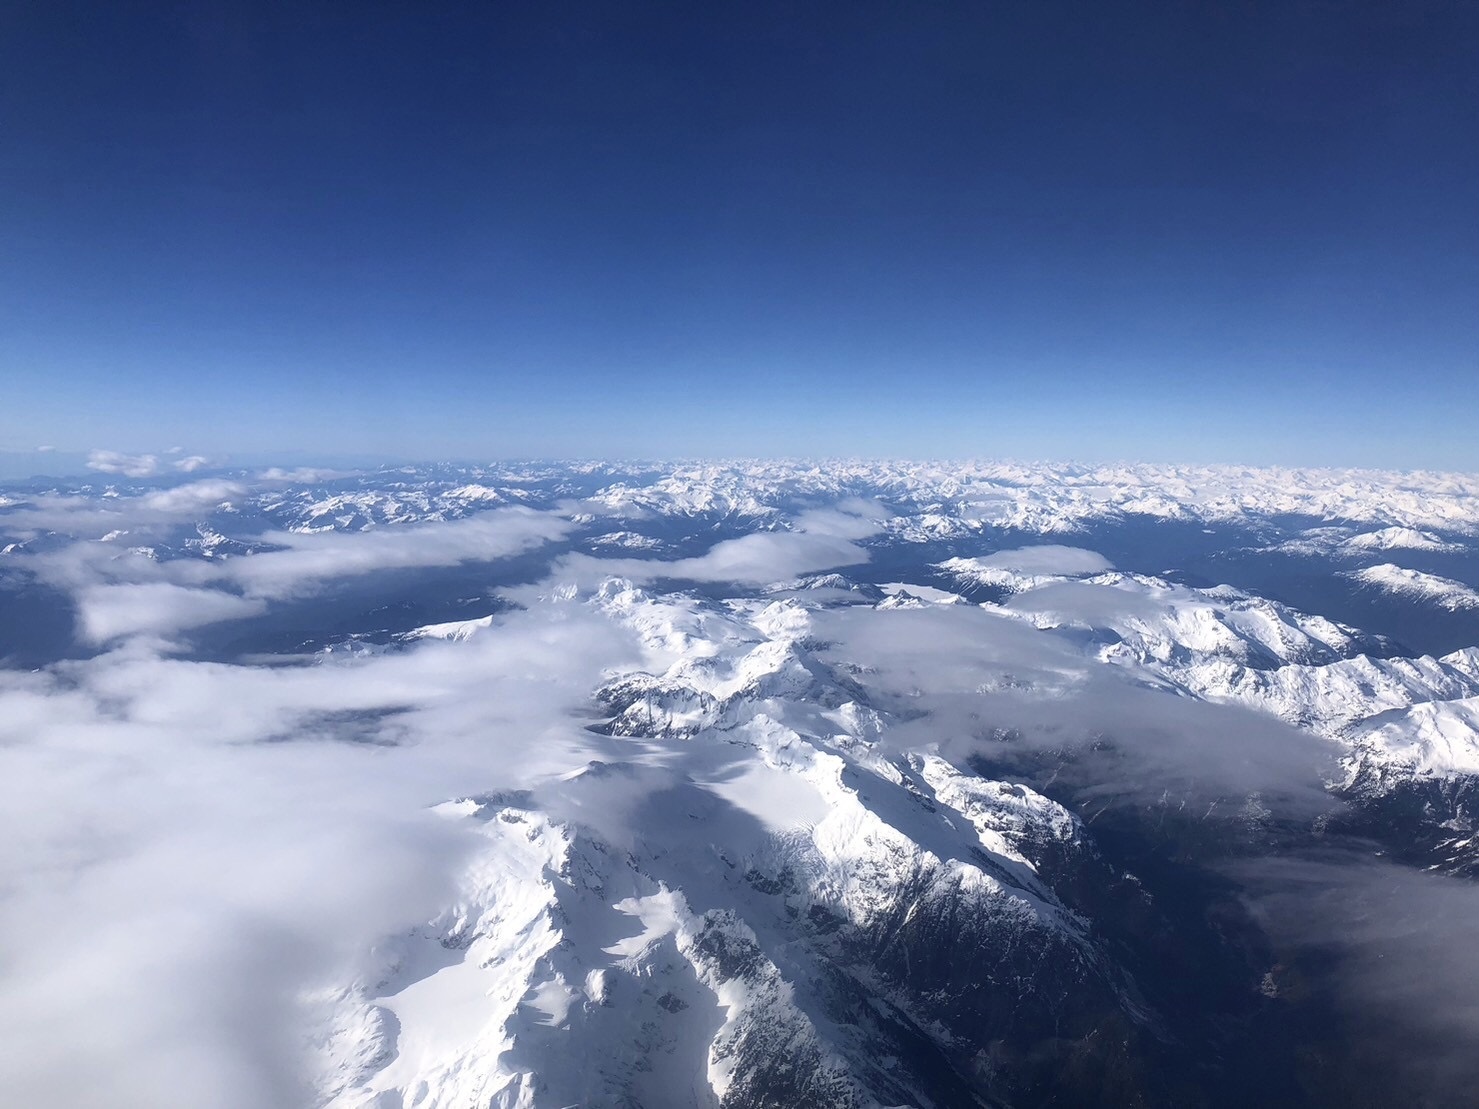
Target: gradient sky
point(1165, 231)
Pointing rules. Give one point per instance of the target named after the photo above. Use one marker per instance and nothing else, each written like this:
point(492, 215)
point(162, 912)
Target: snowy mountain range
point(761, 784)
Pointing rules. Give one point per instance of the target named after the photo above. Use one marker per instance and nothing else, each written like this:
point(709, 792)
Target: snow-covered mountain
point(1444, 592)
point(765, 934)
point(801, 914)
point(1399, 539)
point(768, 784)
point(1359, 509)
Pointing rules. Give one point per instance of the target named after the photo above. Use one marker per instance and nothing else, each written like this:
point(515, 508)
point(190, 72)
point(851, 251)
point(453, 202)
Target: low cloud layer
point(185, 847)
point(141, 515)
point(107, 612)
point(823, 539)
point(120, 589)
point(304, 562)
point(980, 684)
point(1048, 559)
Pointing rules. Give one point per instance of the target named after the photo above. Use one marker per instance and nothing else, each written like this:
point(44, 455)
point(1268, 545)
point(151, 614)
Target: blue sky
point(1199, 232)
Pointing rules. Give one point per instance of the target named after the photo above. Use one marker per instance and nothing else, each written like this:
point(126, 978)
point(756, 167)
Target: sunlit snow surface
point(738, 785)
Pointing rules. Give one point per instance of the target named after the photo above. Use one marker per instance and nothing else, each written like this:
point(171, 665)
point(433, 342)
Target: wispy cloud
point(303, 561)
point(1406, 971)
point(818, 540)
point(120, 591)
point(976, 683)
point(106, 612)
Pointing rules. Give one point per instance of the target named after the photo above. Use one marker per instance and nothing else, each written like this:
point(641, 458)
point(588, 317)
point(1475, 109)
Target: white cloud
point(120, 592)
point(129, 465)
point(1048, 559)
point(819, 540)
point(963, 677)
point(141, 465)
point(303, 474)
point(192, 498)
point(140, 515)
point(762, 558)
point(105, 612)
point(185, 847)
point(308, 560)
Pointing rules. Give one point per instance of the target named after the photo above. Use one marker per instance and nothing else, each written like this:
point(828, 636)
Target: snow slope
point(1415, 585)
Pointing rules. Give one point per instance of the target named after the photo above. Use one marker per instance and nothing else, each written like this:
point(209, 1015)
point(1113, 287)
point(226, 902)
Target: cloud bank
point(187, 847)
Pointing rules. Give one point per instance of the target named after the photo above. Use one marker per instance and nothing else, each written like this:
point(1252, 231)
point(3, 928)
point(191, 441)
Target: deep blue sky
point(1199, 231)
